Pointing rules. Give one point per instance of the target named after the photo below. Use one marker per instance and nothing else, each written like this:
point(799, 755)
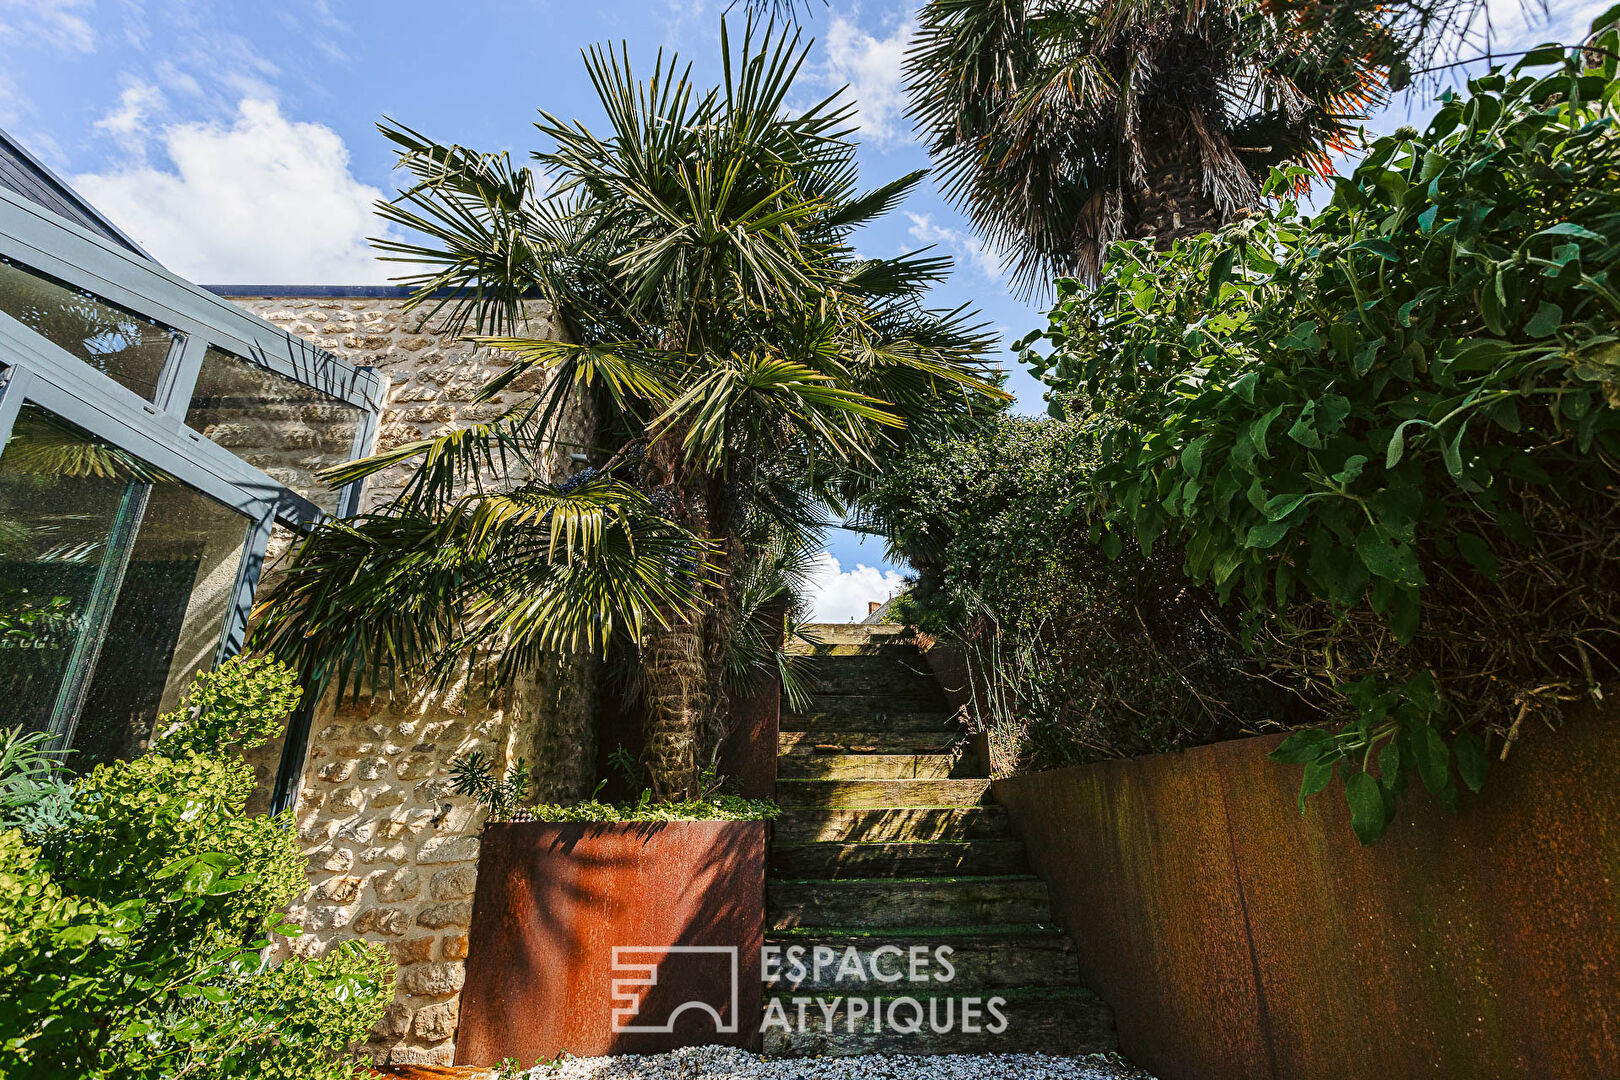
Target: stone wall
point(393, 854)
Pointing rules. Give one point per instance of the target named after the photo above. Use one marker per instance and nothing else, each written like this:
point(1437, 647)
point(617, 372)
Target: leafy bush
point(1090, 658)
point(133, 918)
point(1390, 429)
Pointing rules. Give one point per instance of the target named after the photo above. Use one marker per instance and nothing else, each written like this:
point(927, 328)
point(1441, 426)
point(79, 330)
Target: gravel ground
point(724, 1063)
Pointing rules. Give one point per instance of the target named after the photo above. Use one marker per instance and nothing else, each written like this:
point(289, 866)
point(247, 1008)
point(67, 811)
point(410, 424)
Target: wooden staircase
point(886, 853)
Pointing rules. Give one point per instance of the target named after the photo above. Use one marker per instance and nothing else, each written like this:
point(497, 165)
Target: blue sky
point(236, 141)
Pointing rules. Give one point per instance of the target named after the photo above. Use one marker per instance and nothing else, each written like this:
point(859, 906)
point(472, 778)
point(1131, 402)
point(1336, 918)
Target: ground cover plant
point(136, 900)
point(1390, 431)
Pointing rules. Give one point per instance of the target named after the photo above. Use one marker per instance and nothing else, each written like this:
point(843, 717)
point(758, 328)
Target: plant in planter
point(748, 368)
point(562, 889)
point(502, 799)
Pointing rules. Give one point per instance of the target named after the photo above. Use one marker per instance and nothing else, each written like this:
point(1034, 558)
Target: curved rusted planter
point(555, 901)
point(1238, 940)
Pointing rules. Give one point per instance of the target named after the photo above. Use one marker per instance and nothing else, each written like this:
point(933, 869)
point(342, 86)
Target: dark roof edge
point(311, 292)
point(326, 292)
point(66, 192)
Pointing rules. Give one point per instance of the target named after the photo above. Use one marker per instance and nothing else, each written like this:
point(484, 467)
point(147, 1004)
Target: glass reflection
point(116, 582)
point(127, 348)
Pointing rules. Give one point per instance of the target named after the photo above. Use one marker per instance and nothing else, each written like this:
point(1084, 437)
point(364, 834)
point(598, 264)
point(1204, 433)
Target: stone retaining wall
point(393, 855)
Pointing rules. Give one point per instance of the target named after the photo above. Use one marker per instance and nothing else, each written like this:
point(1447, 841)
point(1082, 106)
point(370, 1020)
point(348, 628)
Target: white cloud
point(874, 69)
point(128, 121)
point(839, 595)
point(262, 200)
point(57, 24)
point(964, 245)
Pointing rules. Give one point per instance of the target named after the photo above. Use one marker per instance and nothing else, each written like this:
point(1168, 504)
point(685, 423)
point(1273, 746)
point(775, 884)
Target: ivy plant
point(1390, 430)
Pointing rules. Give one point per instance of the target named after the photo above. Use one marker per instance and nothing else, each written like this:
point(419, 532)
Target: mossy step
point(939, 901)
point(871, 742)
point(924, 859)
point(895, 645)
point(940, 963)
point(876, 766)
point(890, 661)
point(825, 634)
point(838, 675)
point(899, 824)
point(1045, 1020)
point(834, 716)
point(881, 793)
point(913, 933)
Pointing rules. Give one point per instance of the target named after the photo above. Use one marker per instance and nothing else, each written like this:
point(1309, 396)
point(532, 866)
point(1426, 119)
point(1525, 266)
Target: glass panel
point(116, 581)
point(129, 349)
point(287, 429)
point(266, 759)
point(176, 594)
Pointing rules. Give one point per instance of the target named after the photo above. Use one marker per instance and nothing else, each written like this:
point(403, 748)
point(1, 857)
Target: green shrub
point(502, 797)
point(1390, 429)
point(132, 926)
point(708, 808)
point(1090, 658)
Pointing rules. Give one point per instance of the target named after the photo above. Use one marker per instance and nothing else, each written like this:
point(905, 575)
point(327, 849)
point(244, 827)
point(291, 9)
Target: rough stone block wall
point(393, 854)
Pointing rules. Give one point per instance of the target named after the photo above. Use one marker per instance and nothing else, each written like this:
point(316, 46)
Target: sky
point(237, 143)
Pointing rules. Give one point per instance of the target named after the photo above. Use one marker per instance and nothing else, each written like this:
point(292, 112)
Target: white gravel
point(725, 1063)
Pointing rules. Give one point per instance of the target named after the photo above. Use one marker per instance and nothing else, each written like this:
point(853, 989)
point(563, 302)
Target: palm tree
point(1062, 125)
point(748, 365)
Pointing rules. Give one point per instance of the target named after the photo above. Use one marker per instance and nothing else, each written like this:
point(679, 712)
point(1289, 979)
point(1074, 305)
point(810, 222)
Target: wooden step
point(876, 766)
point(870, 742)
point(1038, 1020)
point(835, 716)
point(934, 960)
point(881, 793)
point(884, 902)
point(902, 824)
point(925, 859)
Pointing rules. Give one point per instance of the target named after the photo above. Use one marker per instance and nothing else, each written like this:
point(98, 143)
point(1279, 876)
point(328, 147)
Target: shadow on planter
point(1238, 940)
point(554, 901)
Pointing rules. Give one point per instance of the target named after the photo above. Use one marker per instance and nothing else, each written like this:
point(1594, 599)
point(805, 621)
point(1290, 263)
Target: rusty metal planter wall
point(552, 901)
point(1236, 939)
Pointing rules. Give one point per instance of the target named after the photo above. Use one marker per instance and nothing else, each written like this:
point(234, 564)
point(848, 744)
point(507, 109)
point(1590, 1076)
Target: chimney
point(872, 606)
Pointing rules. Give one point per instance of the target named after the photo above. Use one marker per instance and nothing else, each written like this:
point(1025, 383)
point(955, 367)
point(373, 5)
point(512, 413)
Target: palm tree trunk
point(681, 664)
point(1174, 204)
point(676, 679)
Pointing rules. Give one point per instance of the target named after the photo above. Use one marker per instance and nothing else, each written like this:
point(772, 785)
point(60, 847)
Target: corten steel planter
point(1238, 940)
point(554, 901)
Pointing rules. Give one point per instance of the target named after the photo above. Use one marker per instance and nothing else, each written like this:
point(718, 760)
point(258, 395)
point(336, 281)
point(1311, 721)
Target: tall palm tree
point(748, 364)
point(1062, 125)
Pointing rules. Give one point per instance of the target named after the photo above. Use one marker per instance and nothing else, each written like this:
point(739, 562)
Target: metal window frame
point(40, 240)
point(43, 373)
point(33, 376)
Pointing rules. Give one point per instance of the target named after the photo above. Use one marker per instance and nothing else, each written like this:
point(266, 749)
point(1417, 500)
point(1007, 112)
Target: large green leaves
point(1347, 422)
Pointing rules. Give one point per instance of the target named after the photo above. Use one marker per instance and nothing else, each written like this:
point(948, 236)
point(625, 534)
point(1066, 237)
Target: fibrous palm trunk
point(675, 677)
point(1174, 204)
point(681, 664)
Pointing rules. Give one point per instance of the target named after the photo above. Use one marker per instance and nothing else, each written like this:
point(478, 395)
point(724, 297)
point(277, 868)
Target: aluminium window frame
point(40, 372)
point(41, 241)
